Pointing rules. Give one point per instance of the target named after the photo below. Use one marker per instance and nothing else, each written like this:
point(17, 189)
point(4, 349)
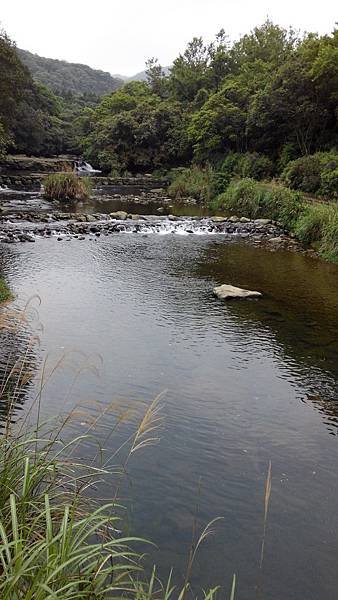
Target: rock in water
point(230, 292)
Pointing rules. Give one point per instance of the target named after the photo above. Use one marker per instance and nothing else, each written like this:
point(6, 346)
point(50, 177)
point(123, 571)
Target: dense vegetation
point(64, 77)
point(33, 120)
point(271, 95)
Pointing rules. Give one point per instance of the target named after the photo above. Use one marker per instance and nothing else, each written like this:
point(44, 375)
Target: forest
point(261, 107)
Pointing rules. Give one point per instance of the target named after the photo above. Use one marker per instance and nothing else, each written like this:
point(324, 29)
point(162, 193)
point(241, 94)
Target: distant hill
point(141, 76)
point(63, 76)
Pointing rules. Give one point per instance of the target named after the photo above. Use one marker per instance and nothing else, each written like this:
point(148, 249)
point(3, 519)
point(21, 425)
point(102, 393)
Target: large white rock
point(230, 292)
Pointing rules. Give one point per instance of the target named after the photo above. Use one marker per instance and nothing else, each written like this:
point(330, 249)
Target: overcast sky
point(119, 35)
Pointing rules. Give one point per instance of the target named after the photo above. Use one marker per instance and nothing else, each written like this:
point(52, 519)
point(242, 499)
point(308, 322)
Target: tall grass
point(318, 225)
point(199, 183)
point(67, 187)
point(254, 199)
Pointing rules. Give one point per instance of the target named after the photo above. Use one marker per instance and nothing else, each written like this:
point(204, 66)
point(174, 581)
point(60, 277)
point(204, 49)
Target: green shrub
point(329, 183)
point(287, 154)
point(5, 293)
point(253, 199)
point(67, 187)
point(251, 164)
point(196, 182)
point(306, 173)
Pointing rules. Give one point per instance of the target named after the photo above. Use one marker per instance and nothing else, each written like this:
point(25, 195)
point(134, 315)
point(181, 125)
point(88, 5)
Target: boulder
point(262, 221)
point(119, 214)
point(219, 219)
point(244, 220)
point(233, 219)
point(230, 292)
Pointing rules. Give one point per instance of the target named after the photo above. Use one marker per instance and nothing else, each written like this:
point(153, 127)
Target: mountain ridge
point(67, 77)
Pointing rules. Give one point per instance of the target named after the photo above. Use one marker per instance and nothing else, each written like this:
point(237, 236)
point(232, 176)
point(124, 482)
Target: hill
point(141, 76)
point(62, 76)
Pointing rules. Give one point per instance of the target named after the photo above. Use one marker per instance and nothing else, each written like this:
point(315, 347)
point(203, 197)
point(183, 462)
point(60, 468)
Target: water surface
point(246, 383)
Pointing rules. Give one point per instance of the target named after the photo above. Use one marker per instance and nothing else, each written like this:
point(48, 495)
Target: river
point(245, 383)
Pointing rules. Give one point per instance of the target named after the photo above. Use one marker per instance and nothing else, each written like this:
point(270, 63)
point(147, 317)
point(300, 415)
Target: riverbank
point(315, 225)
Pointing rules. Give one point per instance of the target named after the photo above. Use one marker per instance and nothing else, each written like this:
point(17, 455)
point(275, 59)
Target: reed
point(66, 187)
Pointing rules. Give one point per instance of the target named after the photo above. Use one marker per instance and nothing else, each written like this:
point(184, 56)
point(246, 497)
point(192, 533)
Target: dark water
point(246, 383)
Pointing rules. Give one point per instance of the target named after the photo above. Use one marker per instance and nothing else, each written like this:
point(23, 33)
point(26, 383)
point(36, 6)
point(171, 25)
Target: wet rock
point(219, 219)
point(230, 292)
point(262, 221)
point(233, 219)
point(119, 214)
point(244, 220)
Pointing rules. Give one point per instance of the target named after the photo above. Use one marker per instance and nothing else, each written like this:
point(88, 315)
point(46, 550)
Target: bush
point(251, 164)
point(67, 187)
point(307, 173)
point(5, 293)
point(202, 184)
point(250, 198)
point(329, 183)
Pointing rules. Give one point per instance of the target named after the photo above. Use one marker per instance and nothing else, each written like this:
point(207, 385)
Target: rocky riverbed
point(29, 227)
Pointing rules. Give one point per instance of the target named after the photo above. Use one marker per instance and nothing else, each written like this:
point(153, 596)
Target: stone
point(244, 220)
point(262, 221)
point(119, 214)
point(230, 292)
point(233, 219)
point(219, 219)
point(276, 240)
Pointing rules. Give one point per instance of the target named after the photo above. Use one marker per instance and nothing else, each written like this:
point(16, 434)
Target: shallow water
point(246, 383)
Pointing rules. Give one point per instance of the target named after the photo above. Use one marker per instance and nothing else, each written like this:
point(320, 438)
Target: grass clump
point(5, 292)
point(249, 198)
point(203, 184)
point(67, 187)
point(318, 225)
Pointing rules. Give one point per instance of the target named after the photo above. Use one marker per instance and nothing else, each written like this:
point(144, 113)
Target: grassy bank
point(313, 224)
point(5, 292)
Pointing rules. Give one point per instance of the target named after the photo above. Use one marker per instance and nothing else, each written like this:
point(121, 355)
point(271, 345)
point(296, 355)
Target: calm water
point(246, 383)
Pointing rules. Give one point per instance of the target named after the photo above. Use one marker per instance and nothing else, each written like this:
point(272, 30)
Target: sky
point(120, 35)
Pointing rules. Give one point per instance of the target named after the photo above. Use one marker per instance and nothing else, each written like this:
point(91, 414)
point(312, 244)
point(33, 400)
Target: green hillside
point(62, 76)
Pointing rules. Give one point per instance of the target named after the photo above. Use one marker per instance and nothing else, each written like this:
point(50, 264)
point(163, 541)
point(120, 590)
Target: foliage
point(312, 173)
point(329, 183)
point(136, 130)
point(249, 164)
point(63, 77)
point(254, 199)
point(66, 187)
point(5, 293)
point(201, 184)
point(318, 224)
point(271, 95)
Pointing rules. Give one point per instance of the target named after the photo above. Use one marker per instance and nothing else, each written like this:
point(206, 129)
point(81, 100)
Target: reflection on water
point(247, 383)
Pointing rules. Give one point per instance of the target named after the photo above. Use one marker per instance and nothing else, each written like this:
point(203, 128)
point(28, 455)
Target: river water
point(245, 383)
